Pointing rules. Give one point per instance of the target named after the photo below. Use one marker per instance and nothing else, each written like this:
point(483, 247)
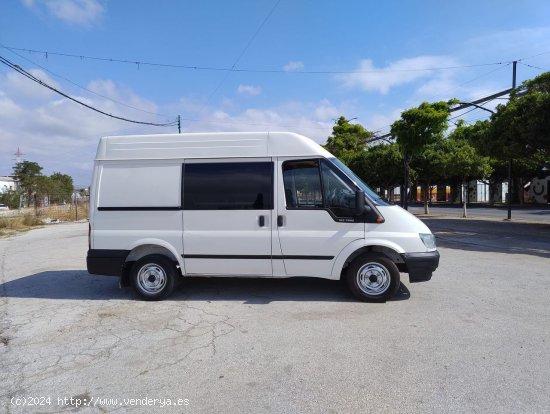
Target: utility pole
point(510, 160)
point(179, 124)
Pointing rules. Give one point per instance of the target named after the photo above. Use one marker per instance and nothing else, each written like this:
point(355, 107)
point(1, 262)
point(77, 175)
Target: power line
point(256, 34)
point(534, 56)
point(172, 123)
point(532, 66)
point(30, 76)
point(88, 90)
point(232, 68)
point(484, 74)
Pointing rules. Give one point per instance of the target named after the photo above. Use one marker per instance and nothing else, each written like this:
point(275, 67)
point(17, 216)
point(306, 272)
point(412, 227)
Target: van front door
point(315, 215)
point(227, 217)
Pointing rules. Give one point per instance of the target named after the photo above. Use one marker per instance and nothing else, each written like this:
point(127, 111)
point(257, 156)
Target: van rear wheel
point(154, 277)
point(373, 277)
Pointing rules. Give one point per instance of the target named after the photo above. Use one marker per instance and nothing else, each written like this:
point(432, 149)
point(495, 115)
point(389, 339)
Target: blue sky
point(377, 59)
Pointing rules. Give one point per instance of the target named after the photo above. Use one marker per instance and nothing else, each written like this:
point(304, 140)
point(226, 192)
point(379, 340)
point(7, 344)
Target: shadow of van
point(80, 285)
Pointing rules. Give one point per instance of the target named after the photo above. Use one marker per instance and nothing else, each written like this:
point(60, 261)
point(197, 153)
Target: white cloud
point(369, 78)
point(26, 88)
point(294, 66)
point(8, 108)
point(326, 111)
point(249, 90)
point(80, 12)
point(382, 120)
point(312, 119)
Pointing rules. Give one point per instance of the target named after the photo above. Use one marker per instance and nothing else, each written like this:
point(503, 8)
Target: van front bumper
point(420, 266)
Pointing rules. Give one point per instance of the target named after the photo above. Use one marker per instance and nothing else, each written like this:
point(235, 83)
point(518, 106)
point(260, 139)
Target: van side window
point(228, 186)
point(316, 184)
point(339, 192)
point(302, 183)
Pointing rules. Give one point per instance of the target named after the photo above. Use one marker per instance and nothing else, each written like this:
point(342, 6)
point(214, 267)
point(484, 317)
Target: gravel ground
point(473, 339)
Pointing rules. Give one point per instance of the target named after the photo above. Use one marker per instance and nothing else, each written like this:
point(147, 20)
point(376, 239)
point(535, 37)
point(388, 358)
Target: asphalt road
point(473, 339)
point(539, 213)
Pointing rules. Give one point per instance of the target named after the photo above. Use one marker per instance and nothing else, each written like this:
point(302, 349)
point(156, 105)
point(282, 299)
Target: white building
point(7, 183)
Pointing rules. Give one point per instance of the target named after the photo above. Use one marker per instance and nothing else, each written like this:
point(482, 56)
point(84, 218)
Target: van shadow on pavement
point(491, 236)
point(80, 285)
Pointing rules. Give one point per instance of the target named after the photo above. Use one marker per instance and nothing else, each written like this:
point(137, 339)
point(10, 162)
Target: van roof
point(207, 145)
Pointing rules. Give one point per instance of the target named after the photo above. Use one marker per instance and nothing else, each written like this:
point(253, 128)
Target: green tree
point(381, 166)
point(429, 165)
point(521, 128)
point(420, 127)
point(61, 187)
point(463, 160)
point(28, 174)
point(348, 141)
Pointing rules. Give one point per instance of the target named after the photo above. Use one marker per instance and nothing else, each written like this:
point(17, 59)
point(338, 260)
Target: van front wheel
point(154, 277)
point(373, 277)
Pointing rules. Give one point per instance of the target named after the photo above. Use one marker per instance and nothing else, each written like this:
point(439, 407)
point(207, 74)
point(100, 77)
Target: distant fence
point(44, 210)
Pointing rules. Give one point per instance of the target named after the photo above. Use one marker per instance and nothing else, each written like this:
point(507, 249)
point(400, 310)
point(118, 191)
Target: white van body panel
point(207, 146)
point(230, 233)
point(400, 229)
point(311, 233)
point(160, 242)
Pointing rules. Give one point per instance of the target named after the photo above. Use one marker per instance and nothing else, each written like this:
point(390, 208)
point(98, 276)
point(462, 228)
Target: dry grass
point(27, 218)
point(64, 213)
point(11, 225)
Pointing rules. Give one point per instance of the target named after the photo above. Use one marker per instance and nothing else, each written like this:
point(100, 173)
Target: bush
point(30, 220)
point(10, 198)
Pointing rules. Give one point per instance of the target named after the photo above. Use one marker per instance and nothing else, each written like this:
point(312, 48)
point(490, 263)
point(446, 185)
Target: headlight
point(428, 239)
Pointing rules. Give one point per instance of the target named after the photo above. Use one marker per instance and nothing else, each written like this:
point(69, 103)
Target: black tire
point(373, 277)
point(154, 277)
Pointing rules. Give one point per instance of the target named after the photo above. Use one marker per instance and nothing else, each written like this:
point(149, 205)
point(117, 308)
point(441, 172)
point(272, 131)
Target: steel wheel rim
point(151, 278)
point(373, 279)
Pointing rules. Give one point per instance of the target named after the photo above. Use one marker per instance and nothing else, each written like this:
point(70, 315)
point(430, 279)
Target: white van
point(266, 204)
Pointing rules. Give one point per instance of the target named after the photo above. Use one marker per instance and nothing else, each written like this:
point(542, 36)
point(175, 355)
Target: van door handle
point(261, 221)
point(280, 221)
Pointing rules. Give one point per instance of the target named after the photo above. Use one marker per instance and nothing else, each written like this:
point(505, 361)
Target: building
point(7, 183)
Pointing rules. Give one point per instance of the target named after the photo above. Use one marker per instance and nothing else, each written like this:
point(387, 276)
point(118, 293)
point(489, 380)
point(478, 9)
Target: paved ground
point(538, 213)
point(474, 339)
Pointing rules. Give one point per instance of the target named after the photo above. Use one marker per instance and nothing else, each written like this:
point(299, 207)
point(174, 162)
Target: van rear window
point(228, 186)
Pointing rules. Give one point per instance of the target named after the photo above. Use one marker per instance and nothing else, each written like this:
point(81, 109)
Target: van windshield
point(371, 194)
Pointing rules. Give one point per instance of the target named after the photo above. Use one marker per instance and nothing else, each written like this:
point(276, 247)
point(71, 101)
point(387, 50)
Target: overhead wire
point(531, 66)
point(30, 76)
point(228, 70)
point(232, 68)
point(534, 56)
point(88, 90)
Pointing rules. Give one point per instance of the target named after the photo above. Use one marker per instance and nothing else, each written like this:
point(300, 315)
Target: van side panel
point(228, 216)
point(310, 238)
point(136, 200)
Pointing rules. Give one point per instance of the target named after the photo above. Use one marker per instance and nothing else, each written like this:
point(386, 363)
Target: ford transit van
point(277, 205)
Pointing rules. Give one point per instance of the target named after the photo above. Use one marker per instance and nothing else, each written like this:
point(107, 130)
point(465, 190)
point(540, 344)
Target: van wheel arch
point(380, 250)
point(141, 251)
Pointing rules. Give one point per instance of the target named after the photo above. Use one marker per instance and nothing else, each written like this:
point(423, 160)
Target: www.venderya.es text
point(87, 401)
